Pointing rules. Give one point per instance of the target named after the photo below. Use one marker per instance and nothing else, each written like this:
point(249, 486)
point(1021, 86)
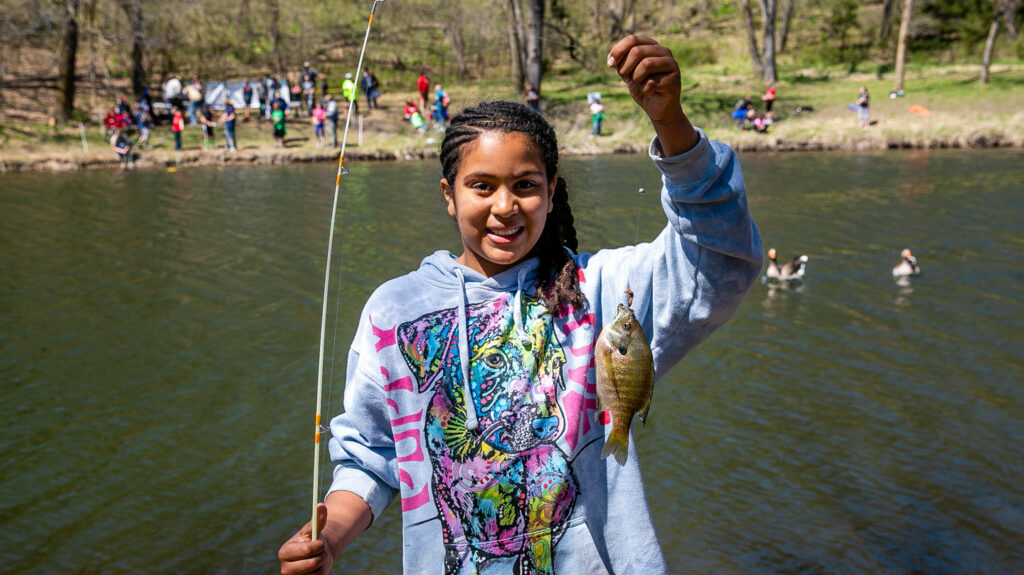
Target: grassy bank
point(811, 114)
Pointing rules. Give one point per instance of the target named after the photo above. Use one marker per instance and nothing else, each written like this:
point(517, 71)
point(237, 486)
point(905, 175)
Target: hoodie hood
point(439, 268)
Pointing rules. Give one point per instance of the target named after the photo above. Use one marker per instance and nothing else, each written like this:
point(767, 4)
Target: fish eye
point(628, 325)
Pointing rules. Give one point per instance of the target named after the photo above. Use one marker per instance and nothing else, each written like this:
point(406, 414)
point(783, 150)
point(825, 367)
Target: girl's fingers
point(304, 566)
point(654, 68)
point(622, 47)
point(627, 62)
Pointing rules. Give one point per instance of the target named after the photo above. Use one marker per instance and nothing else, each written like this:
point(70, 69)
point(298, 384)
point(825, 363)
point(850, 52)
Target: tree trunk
point(515, 45)
point(454, 32)
point(133, 9)
point(901, 44)
point(986, 57)
point(883, 30)
point(535, 43)
point(68, 53)
point(769, 42)
point(623, 20)
point(787, 17)
point(275, 35)
point(1010, 13)
point(755, 53)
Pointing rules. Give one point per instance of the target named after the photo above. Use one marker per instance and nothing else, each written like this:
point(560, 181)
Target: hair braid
point(560, 285)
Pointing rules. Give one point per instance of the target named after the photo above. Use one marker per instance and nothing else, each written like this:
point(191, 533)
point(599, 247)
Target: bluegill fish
point(625, 377)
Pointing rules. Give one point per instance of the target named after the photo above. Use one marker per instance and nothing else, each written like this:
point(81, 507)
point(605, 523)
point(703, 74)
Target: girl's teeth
point(505, 233)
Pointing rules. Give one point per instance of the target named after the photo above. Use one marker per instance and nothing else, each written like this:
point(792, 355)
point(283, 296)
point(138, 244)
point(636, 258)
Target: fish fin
point(646, 407)
point(617, 444)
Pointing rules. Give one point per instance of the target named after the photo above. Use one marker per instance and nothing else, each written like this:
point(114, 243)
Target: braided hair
point(559, 284)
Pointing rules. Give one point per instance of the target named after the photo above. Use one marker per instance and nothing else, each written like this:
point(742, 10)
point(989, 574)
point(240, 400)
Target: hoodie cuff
point(374, 492)
point(693, 165)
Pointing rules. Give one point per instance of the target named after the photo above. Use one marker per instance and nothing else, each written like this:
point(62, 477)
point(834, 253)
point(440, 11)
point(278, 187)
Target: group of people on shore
point(187, 104)
point(413, 110)
point(749, 118)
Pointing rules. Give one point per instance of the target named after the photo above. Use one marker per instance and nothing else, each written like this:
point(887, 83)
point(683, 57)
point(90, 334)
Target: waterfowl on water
point(791, 270)
point(907, 266)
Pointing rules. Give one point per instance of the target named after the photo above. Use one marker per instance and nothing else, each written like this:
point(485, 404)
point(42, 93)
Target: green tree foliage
point(470, 39)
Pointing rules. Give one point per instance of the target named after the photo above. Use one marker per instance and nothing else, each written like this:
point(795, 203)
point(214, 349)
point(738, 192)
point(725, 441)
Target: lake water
point(159, 336)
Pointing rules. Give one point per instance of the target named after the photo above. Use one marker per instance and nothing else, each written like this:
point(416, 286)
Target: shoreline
point(160, 159)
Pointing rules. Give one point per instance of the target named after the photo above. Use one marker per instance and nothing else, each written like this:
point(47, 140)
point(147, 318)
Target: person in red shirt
point(410, 109)
point(769, 99)
point(423, 85)
point(177, 125)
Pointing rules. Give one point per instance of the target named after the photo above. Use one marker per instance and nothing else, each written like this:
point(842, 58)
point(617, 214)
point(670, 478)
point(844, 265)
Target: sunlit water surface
point(159, 336)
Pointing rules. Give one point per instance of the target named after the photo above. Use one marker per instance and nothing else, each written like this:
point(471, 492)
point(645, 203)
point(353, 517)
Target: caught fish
point(625, 377)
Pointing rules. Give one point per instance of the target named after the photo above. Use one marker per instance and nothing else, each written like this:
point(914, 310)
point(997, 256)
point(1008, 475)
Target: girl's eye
point(525, 185)
point(481, 186)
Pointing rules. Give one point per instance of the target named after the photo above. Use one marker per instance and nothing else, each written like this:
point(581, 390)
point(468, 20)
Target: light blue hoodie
point(514, 482)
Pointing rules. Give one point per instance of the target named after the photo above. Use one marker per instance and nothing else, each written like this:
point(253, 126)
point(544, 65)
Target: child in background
point(410, 107)
point(228, 119)
point(277, 117)
point(769, 100)
point(123, 148)
point(319, 116)
point(469, 386)
point(206, 119)
point(863, 101)
point(177, 125)
point(597, 117)
point(441, 102)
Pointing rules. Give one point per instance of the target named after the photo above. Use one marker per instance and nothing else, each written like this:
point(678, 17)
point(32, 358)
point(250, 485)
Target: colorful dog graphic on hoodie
point(505, 491)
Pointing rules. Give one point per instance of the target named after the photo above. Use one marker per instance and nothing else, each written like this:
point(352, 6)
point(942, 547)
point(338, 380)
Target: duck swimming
point(791, 270)
point(907, 266)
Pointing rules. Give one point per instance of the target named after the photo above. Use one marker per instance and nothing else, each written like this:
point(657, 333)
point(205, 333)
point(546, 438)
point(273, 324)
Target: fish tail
point(617, 444)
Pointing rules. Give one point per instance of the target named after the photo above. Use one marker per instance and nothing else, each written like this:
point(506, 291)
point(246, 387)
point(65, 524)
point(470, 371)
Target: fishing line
point(342, 170)
point(636, 237)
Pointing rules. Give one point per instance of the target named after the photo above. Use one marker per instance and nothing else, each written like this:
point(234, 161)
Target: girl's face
point(500, 199)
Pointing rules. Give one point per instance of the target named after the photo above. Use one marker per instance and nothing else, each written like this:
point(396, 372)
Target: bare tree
point(133, 9)
point(623, 18)
point(901, 44)
point(517, 52)
point(993, 31)
point(453, 31)
point(535, 43)
point(68, 53)
point(769, 7)
point(275, 35)
point(883, 30)
point(1010, 12)
point(787, 17)
point(755, 52)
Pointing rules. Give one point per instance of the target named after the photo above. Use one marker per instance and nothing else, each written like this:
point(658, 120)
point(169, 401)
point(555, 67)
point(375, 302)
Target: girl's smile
point(500, 200)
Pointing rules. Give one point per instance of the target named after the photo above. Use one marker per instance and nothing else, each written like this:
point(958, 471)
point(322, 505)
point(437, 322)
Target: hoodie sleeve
point(362, 444)
point(691, 278)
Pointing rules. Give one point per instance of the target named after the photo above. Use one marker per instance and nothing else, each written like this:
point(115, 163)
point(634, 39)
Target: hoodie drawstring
point(517, 311)
point(471, 419)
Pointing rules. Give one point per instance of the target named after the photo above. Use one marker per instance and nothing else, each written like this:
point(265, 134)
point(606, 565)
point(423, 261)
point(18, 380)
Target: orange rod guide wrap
point(327, 279)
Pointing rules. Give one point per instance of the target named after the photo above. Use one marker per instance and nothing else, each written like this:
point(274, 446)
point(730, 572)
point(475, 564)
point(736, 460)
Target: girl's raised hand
point(652, 76)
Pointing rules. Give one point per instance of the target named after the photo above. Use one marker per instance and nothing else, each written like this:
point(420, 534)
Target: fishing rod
point(342, 170)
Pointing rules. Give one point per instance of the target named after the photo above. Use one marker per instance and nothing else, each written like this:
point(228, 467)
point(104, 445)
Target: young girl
point(319, 116)
point(470, 392)
point(206, 118)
